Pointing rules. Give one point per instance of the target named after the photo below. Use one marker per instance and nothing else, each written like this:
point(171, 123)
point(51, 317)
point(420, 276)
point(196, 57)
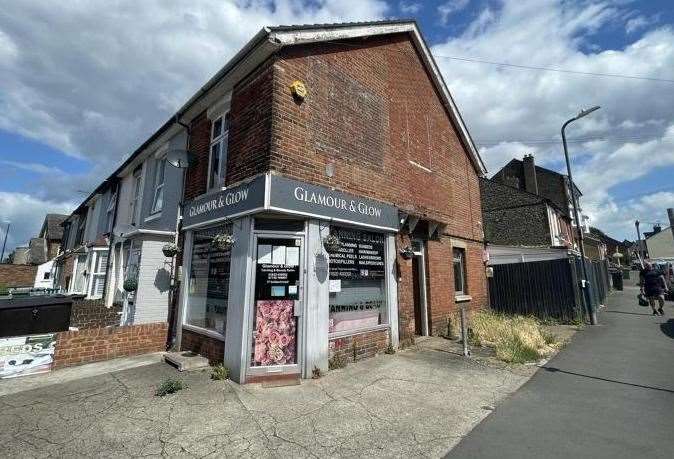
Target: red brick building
point(332, 202)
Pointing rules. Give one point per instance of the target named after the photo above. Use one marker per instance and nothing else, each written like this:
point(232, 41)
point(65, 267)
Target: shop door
point(277, 305)
point(419, 288)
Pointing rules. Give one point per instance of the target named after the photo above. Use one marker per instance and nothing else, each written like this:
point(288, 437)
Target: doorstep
point(185, 360)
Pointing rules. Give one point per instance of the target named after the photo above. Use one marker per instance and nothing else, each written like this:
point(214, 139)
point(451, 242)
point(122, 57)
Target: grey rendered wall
point(173, 186)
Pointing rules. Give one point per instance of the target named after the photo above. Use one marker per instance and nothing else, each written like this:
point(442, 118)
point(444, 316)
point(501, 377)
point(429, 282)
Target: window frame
point(386, 307)
point(136, 197)
point(188, 275)
point(464, 271)
point(220, 140)
point(110, 211)
point(160, 166)
point(96, 271)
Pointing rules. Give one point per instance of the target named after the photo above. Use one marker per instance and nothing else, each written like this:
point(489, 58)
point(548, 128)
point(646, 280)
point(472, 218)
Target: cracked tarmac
point(416, 403)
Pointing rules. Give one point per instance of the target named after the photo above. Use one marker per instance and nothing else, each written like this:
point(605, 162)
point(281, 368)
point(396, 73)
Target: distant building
point(21, 255)
point(660, 243)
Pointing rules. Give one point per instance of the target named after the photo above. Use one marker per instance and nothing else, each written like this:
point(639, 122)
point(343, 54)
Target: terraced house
point(330, 208)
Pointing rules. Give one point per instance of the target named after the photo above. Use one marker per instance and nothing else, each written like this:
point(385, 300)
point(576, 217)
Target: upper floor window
point(217, 167)
point(136, 198)
point(158, 195)
point(110, 212)
point(81, 225)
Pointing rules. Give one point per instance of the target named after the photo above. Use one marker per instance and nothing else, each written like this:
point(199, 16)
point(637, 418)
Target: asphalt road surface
point(609, 393)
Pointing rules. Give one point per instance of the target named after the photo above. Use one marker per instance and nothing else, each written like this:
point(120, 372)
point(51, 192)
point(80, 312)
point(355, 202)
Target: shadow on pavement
point(631, 313)
point(557, 370)
point(668, 328)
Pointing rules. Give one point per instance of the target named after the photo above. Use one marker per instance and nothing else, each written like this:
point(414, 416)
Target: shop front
point(275, 271)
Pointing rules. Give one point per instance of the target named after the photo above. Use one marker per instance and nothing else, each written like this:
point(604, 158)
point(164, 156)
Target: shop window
point(459, 261)
point(217, 169)
point(357, 281)
point(208, 282)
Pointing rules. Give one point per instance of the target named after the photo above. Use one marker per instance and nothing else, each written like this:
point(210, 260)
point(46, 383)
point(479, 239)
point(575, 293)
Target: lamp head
point(587, 111)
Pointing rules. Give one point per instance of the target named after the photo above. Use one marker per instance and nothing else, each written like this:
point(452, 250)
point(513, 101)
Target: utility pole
point(2, 255)
point(585, 284)
point(639, 247)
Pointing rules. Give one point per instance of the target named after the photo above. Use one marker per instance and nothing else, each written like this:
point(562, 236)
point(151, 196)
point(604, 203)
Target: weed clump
point(220, 373)
point(169, 386)
point(515, 339)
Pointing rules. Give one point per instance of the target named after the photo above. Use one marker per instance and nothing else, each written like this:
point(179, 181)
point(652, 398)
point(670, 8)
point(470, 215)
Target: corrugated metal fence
point(546, 289)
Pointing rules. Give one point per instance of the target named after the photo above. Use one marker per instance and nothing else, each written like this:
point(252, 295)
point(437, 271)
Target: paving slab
point(416, 403)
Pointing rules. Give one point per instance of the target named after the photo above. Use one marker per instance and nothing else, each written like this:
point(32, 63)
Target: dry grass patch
point(515, 339)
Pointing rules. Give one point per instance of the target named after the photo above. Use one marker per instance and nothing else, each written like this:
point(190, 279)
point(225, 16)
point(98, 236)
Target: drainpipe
point(112, 237)
point(175, 325)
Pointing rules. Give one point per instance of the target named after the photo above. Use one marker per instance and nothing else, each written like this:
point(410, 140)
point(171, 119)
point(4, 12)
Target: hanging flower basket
point(170, 250)
point(407, 253)
point(332, 243)
point(130, 285)
point(223, 241)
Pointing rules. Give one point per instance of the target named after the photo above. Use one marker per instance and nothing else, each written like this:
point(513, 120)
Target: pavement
point(609, 393)
point(417, 403)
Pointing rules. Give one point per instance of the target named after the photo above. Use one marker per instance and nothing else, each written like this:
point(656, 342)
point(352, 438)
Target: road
point(609, 393)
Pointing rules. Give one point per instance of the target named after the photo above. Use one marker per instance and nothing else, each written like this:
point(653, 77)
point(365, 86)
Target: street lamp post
point(2, 255)
point(640, 250)
point(586, 286)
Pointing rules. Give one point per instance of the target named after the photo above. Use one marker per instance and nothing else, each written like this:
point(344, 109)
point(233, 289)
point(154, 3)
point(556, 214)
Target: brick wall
point(17, 275)
point(373, 113)
point(360, 346)
point(97, 344)
point(211, 348)
point(93, 313)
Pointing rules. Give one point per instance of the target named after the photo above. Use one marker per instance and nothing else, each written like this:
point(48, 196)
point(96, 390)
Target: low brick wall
point(97, 344)
point(211, 348)
point(17, 275)
point(361, 346)
point(88, 314)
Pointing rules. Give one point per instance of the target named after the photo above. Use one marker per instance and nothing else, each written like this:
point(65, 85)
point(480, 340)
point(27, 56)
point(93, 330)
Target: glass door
point(277, 304)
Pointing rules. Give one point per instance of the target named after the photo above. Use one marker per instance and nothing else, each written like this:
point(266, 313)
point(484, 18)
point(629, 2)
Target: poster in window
point(361, 255)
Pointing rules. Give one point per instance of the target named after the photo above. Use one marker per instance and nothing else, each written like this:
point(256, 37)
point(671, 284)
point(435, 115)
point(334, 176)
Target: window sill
point(357, 331)
point(153, 217)
point(462, 298)
point(204, 331)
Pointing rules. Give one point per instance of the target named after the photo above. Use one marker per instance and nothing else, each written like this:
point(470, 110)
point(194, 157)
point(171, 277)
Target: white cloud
point(409, 7)
point(95, 85)
point(449, 8)
point(95, 80)
point(36, 168)
point(25, 214)
point(512, 111)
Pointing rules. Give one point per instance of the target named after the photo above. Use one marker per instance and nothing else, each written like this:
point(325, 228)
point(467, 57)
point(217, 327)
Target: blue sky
point(80, 90)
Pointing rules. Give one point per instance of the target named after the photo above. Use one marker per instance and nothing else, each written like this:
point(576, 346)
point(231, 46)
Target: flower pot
point(223, 241)
point(130, 285)
point(170, 250)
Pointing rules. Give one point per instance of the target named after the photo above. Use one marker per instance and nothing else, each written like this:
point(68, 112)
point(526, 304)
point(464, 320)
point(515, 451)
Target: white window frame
point(96, 272)
point(110, 211)
point(219, 139)
point(136, 196)
point(463, 295)
point(158, 187)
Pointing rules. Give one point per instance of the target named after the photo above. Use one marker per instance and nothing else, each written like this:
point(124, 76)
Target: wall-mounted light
point(298, 90)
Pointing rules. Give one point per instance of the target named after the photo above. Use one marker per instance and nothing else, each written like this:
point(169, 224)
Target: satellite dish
point(179, 158)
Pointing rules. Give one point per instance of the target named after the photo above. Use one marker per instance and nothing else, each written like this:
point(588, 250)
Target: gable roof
point(268, 41)
point(531, 198)
point(518, 164)
point(51, 227)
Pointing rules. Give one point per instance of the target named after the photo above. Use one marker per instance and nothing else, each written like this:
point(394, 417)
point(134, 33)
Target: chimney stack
point(530, 183)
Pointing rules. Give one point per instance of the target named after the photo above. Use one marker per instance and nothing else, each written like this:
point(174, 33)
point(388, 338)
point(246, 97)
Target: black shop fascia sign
point(361, 256)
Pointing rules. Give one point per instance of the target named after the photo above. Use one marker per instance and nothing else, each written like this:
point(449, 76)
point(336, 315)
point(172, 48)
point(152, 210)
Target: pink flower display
point(275, 338)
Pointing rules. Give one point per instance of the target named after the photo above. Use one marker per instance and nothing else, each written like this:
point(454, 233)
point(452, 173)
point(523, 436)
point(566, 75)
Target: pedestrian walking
point(653, 286)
